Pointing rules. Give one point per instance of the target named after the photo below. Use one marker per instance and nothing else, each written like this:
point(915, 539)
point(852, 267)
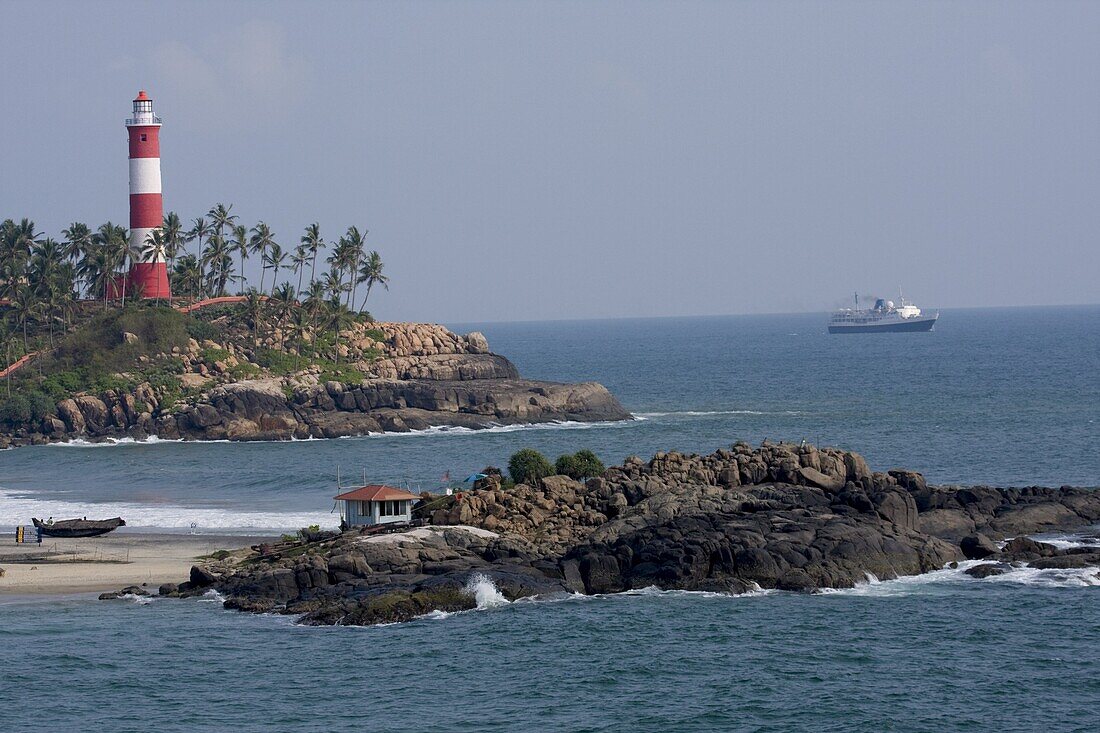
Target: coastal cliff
point(386, 377)
point(786, 517)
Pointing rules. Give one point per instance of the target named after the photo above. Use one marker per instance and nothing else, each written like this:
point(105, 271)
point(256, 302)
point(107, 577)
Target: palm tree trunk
point(367, 296)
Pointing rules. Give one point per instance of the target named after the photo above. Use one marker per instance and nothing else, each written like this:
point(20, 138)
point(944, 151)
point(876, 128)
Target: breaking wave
point(485, 592)
point(1025, 576)
point(16, 509)
point(712, 413)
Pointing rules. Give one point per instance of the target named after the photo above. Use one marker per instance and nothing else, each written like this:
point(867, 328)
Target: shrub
point(566, 465)
point(201, 330)
point(580, 465)
point(40, 406)
point(15, 410)
point(279, 362)
point(527, 466)
point(212, 355)
point(588, 463)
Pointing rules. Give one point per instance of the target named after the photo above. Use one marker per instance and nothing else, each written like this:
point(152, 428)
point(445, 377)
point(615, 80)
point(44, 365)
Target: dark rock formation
point(735, 520)
point(426, 376)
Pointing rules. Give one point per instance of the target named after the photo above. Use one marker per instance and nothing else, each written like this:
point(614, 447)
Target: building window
point(391, 508)
point(144, 138)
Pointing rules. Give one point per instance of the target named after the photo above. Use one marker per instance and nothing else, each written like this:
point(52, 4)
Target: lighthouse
point(149, 276)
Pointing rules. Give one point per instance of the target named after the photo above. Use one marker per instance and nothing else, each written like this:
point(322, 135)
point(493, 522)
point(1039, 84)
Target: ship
point(885, 317)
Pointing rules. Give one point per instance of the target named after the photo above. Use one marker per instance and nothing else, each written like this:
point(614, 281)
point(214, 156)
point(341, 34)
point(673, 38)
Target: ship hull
point(907, 326)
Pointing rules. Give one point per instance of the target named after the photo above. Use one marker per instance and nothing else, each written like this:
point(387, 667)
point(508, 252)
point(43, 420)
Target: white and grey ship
point(885, 317)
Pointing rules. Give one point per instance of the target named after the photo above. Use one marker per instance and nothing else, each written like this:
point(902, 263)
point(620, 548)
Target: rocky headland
point(389, 377)
point(787, 517)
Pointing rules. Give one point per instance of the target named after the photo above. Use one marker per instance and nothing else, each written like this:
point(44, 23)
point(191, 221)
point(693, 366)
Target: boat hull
point(78, 527)
point(907, 326)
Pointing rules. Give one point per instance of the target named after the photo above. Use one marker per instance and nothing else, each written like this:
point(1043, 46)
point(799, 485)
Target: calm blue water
point(999, 396)
point(940, 654)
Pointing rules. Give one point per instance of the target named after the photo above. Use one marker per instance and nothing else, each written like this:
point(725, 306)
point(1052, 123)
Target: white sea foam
point(1028, 576)
point(212, 596)
point(139, 600)
point(711, 413)
point(485, 592)
point(17, 508)
point(1070, 540)
point(459, 430)
point(432, 430)
point(109, 442)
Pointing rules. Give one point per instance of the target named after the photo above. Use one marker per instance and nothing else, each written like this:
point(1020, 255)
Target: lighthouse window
point(144, 138)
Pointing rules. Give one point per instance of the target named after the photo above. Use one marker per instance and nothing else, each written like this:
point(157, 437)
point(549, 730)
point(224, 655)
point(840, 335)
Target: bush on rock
point(527, 466)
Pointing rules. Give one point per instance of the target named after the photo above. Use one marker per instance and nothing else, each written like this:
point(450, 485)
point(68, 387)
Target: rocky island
point(221, 374)
point(787, 517)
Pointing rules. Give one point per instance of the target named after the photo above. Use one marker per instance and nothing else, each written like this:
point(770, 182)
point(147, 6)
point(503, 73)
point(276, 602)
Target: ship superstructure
point(885, 317)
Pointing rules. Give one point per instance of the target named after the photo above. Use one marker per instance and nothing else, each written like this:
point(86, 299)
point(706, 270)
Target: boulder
point(813, 477)
point(70, 413)
point(987, 570)
point(977, 547)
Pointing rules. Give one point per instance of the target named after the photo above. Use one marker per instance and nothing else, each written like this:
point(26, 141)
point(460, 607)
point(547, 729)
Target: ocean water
point(997, 396)
point(1007, 397)
point(942, 652)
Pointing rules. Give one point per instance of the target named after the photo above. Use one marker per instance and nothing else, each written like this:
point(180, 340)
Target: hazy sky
point(522, 160)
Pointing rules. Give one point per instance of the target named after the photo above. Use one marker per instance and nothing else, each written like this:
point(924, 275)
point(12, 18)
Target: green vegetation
point(581, 465)
point(47, 285)
point(527, 466)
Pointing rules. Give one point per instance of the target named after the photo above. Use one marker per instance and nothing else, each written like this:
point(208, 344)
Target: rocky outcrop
point(738, 519)
point(415, 376)
point(262, 410)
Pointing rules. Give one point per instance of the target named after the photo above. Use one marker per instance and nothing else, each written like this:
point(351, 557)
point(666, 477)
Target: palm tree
point(24, 306)
point(297, 329)
point(187, 275)
point(200, 230)
point(262, 239)
point(371, 274)
point(154, 249)
point(333, 283)
point(174, 237)
point(16, 242)
point(220, 217)
point(337, 317)
point(78, 238)
point(314, 301)
point(340, 261)
point(284, 301)
point(112, 248)
point(240, 246)
point(355, 244)
point(254, 311)
point(298, 261)
point(274, 258)
point(217, 260)
point(97, 269)
point(312, 241)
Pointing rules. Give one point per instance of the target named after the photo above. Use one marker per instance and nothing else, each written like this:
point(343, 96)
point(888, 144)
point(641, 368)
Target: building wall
point(356, 517)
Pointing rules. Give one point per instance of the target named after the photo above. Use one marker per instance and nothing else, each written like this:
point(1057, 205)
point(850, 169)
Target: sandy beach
point(106, 563)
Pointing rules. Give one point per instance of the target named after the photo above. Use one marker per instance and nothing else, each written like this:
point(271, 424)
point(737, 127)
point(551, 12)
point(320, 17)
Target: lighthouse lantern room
point(148, 277)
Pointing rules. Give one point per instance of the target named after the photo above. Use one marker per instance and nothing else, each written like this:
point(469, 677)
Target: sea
point(1003, 397)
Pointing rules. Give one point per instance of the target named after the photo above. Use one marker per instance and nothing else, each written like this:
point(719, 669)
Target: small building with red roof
point(375, 504)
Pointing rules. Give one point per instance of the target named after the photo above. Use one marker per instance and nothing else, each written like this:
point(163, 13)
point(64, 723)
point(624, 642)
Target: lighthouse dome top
point(143, 111)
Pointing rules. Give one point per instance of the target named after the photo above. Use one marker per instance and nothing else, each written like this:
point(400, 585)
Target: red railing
point(17, 365)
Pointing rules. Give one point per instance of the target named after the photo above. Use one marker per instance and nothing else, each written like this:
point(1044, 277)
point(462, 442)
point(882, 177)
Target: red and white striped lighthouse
point(149, 277)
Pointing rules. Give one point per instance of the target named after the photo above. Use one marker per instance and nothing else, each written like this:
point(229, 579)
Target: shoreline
point(65, 567)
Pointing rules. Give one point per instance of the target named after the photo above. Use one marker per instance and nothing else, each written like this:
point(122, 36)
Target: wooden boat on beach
point(78, 527)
